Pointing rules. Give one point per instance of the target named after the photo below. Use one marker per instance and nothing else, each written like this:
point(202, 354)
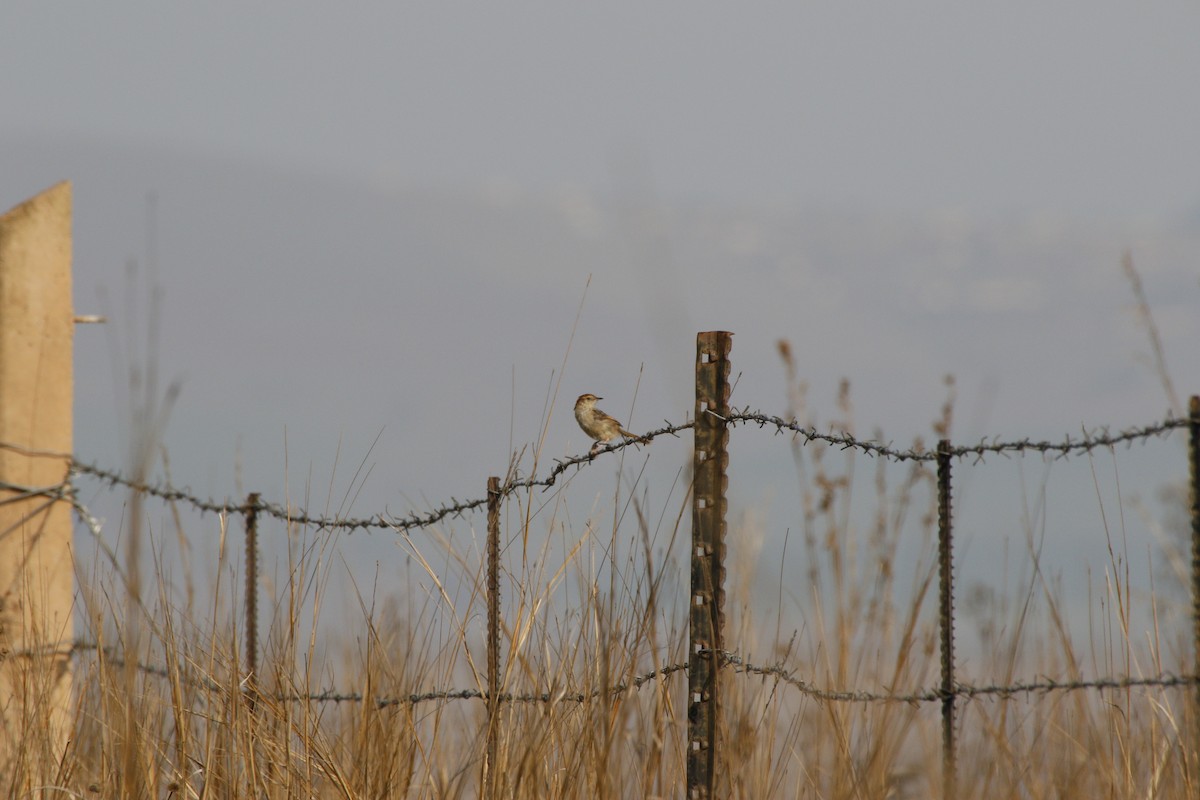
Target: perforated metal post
point(710, 462)
point(1194, 469)
point(946, 621)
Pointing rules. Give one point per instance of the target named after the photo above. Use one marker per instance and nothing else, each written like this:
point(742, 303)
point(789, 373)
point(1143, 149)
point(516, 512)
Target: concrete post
point(37, 575)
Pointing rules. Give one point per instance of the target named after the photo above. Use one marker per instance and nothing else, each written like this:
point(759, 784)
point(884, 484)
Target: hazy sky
point(385, 218)
point(1082, 107)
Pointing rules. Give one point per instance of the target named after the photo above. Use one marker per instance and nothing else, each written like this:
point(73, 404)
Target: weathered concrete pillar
point(37, 574)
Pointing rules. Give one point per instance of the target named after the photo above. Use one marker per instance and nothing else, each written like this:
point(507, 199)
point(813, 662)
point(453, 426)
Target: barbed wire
point(112, 656)
point(727, 658)
point(20, 492)
point(1086, 442)
point(1164, 680)
point(454, 508)
point(561, 696)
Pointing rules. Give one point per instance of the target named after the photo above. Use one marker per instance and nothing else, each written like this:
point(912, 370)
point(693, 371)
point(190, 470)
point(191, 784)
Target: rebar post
point(946, 620)
point(252, 502)
point(493, 633)
point(710, 462)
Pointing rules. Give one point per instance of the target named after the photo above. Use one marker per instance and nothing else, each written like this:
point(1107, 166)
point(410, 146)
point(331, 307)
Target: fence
point(707, 655)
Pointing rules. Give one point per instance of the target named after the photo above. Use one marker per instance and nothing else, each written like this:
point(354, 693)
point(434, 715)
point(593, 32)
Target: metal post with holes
point(493, 633)
point(1194, 469)
point(710, 462)
point(946, 620)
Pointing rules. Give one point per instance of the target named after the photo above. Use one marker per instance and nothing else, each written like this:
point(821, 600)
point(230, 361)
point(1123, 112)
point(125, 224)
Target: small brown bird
point(597, 424)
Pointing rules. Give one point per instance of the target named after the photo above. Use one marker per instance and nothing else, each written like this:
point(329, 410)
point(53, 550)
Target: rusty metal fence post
point(946, 620)
point(1194, 470)
point(251, 512)
point(710, 461)
point(493, 633)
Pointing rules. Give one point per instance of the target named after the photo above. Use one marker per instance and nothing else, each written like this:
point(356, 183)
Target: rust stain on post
point(37, 574)
point(710, 462)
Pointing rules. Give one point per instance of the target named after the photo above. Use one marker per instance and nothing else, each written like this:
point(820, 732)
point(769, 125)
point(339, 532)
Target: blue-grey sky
point(1081, 107)
point(384, 218)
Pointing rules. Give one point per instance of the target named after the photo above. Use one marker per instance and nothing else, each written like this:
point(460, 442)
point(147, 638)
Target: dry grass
point(595, 607)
